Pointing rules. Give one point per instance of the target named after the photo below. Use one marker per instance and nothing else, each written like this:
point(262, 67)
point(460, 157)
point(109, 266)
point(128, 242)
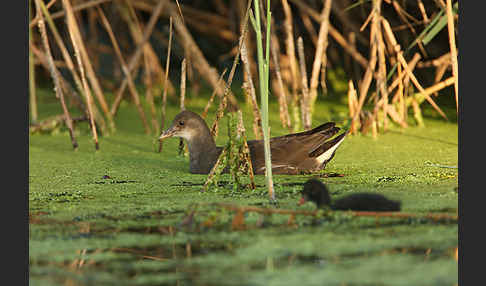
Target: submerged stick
point(233, 207)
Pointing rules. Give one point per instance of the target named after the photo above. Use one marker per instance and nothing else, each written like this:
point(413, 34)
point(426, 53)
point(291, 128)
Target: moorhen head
point(203, 152)
point(315, 191)
point(296, 153)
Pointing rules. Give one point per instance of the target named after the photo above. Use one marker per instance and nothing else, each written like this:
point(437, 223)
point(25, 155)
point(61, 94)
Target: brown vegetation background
point(398, 56)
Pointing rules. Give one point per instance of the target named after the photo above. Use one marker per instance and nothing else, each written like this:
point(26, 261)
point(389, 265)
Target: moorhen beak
point(292, 154)
point(166, 134)
point(301, 201)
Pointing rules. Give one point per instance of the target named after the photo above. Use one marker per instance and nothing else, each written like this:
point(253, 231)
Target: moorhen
point(291, 154)
point(316, 192)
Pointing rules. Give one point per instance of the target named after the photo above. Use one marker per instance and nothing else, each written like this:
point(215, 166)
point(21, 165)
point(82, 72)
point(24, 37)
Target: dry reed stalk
point(395, 116)
point(164, 94)
point(76, 8)
point(323, 73)
point(149, 95)
point(216, 169)
point(246, 150)
point(344, 18)
point(93, 41)
point(257, 122)
point(367, 21)
point(208, 28)
point(321, 47)
point(77, 42)
point(355, 65)
point(404, 78)
point(282, 96)
point(402, 60)
point(52, 122)
point(249, 40)
point(439, 74)
point(32, 87)
point(402, 14)
point(413, 63)
point(309, 27)
point(441, 4)
point(200, 20)
point(305, 109)
point(54, 73)
point(290, 50)
point(445, 59)
point(57, 37)
point(182, 102)
point(402, 110)
point(125, 69)
point(198, 58)
point(352, 99)
point(90, 73)
point(66, 86)
point(334, 33)
point(134, 59)
point(417, 113)
point(436, 87)
point(213, 95)
point(249, 89)
point(452, 43)
point(365, 83)
point(422, 10)
point(350, 49)
point(381, 76)
point(183, 84)
point(224, 99)
point(221, 7)
point(129, 15)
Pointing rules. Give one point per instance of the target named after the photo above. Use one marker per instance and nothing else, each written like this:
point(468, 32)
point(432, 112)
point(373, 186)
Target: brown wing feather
point(291, 152)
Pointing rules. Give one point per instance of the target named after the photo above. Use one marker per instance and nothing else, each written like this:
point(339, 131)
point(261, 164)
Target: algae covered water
point(127, 215)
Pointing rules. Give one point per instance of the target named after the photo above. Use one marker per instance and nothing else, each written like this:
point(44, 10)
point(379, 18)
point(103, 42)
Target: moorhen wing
point(296, 153)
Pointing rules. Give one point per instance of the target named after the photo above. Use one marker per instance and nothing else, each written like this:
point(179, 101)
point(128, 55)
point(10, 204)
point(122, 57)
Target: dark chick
point(316, 192)
point(295, 153)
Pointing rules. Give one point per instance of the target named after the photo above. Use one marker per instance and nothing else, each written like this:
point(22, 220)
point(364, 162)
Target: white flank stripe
point(326, 155)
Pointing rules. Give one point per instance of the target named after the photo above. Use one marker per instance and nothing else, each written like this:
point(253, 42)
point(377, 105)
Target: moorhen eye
point(181, 123)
